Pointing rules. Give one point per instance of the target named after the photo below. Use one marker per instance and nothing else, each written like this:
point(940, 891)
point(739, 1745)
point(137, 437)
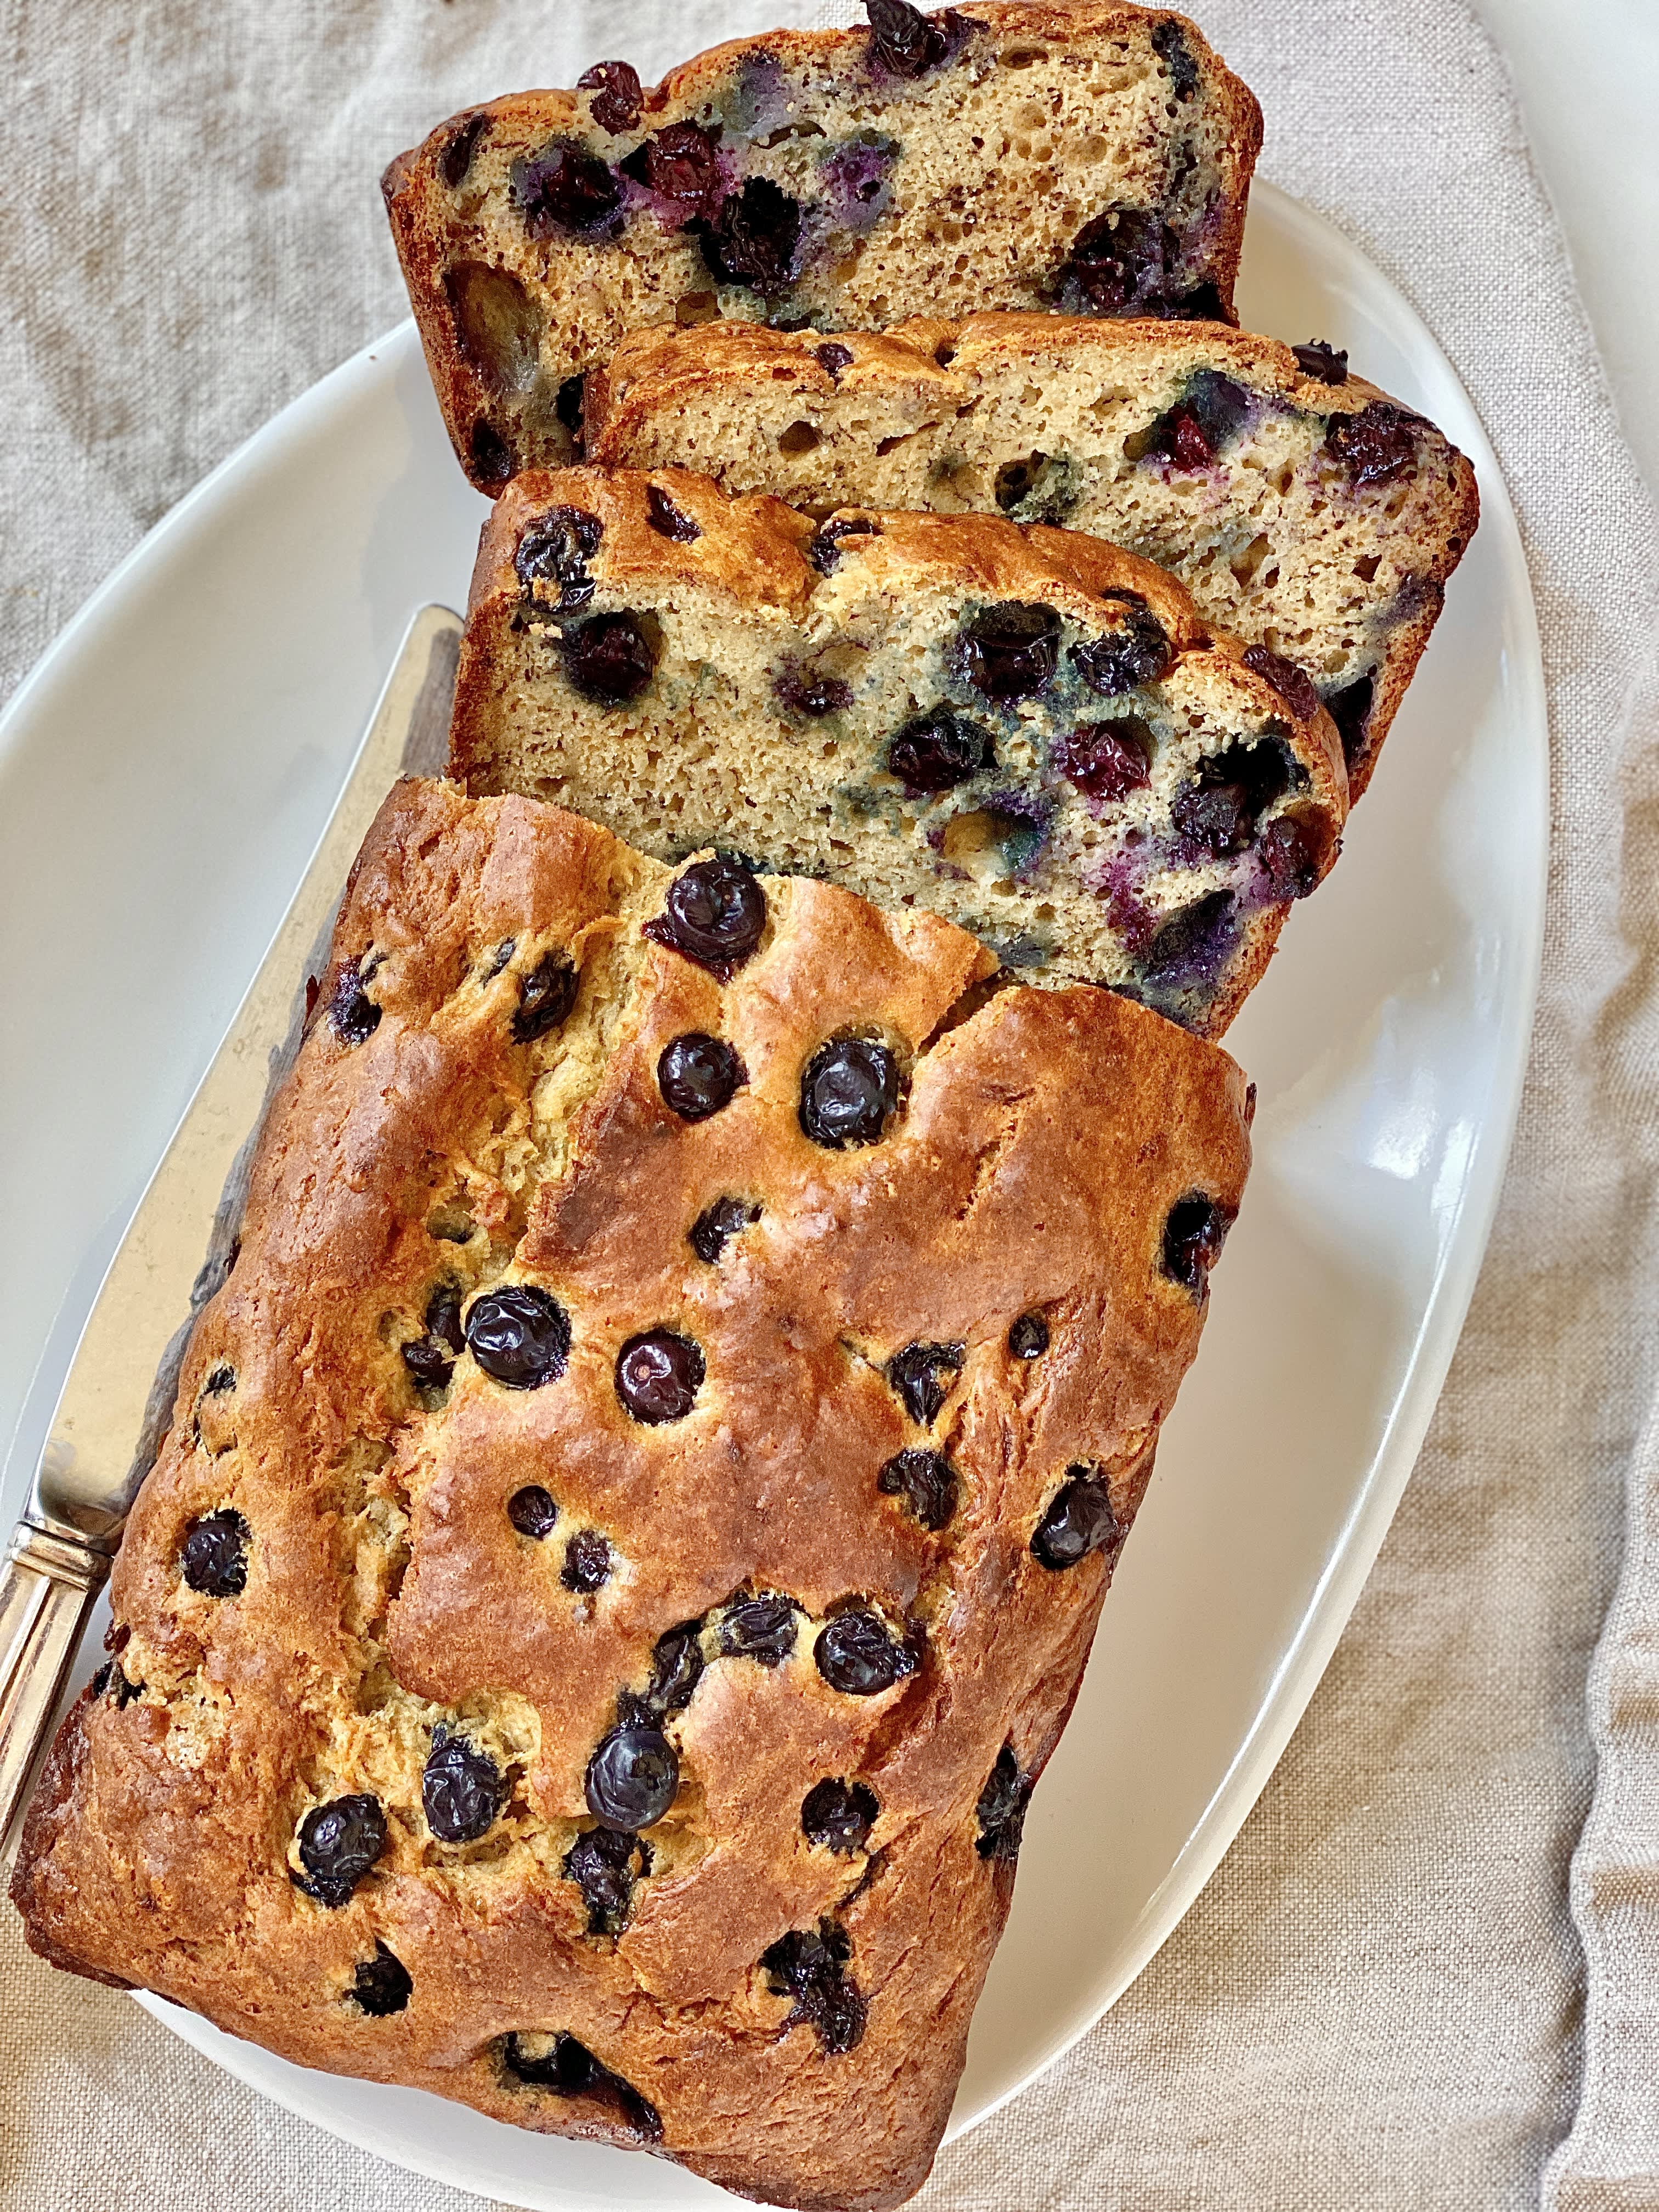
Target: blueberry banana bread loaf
point(1023, 729)
point(635, 1518)
point(1302, 509)
point(1089, 156)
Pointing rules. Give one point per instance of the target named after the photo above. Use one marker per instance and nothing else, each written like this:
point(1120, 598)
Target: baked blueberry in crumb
point(462, 1789)
point(1080, 1520)
point(1374, 446)
point(519, 1335)
point(849, 1092)
point(810, 1966)
point(339, 1842)
point(717, 1224)
point(491, 456)
point(564, 188)
point(430, 1359)
point(1001, 1808)
point(1138, 651)
point(713, 913)
point(1011, 650)
point(753, 238)
point(927, 1482)
point(221, 1380)
point(833, 358)
point(110, 1682)
point(1293, 684)
point(381, 1985)
point(1350, 709)
point(1116, 262)
point(1190, 434)
point(839, 1816)
point(213, 1558)
point(1291, 850)
point(568, 407)
point(609, 659)
point(1194, 1235)
point(809, 691)
point(763, 1628)
point(615, 86)
point(1326, 364)
point(906, 43)
point(938, 751)
point(856, 1655)
point(1177, 57)
point(698, 1074)
point(532, 1511)
point(605, 1863)
point(658, 1374)
point(1105, 761)
point(1195, 941)
point(924, 1375)
point(633, 1777)
point(568, 2068)
point(587, 1563)
point(555, 549)
point(1028, 1337)
point(353, 1015)
point(823, 547)
point(546, 996)
point(676, 1669)
point(1216, 810)
point(680, 167)
point(668, 520)
point(463, 143)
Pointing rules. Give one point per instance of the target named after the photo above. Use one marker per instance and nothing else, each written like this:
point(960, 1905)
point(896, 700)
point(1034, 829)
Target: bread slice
point(1022, 729)
point(1092, 156)
point(1302, 508)
point(636, 1747)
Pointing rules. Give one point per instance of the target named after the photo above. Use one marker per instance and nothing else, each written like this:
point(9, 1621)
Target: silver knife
point(116, 1402)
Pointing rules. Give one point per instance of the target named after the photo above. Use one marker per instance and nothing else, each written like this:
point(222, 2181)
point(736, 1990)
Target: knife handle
point(48, 1582)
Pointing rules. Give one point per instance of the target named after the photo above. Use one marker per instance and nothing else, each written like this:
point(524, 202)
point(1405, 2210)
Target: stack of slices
point(635, 1520)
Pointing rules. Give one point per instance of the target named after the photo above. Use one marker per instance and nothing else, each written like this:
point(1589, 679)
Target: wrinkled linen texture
point(1382, 1999)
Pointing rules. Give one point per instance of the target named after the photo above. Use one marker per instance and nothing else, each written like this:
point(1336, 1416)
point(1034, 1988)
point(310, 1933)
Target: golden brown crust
point(544, 310)
point(896, 424)
point(1045, 1138)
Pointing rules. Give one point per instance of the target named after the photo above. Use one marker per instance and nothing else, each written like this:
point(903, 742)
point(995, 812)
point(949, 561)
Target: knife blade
point(117, 1401)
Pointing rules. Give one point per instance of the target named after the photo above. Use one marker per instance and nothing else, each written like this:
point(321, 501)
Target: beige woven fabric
point(1381, 2000)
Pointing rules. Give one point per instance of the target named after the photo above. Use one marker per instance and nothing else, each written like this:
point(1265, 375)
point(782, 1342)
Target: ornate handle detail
point(47, 1585)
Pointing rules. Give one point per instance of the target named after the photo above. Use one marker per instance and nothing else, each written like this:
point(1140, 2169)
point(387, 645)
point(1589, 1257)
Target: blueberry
point(1138, 651)
point(568, 2068)
point(1193, 1237)
point(938, 751)
point(824, 548)
point(1001, 1808)
point(1321, 362)
point(855, 1653)
point(339, 1842)
point(752, 240)
point(809, 691)
point(1191, 434)
point(1078, 1520)
point(1216, 810)
point(563, 188)
point(698, 1074)
point(906, 43)
point(839, 1816)
point(927, 1482)
point(568, 407)
point(667, 519)
point(713, 913)
point(532, 1511)
point(1177, 57)
point(1291, 849)
point(924, 1375)
point(851, 1090)
point(555, 549)
point(1293, 684)
point(676, 1669)
point(1350, 709)
point(1376, 444)
point(587, 1563)
point(833, 358)
point(681, 166)
point(762, 1628)
point(1105, 760)
point(1194, 937)
point(609, 659)
point(519, 1335)
point(462, 1789)
point(546, 996)
point(1028, 1337)
point(658, 1374)
point(491, 457)
point(458, 149)
point(110, 1682)
point(1011, 650)
point(221, 1380)
point(1116, 263)
point(616, 88)
point(605, 1863)
point(715, 1226)
point(811, 1968)
point(213, 1558)
point(352, 1014)
point(381, 1985)
point(632, 1777)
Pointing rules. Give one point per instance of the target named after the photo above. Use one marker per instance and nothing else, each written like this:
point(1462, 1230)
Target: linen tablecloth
point(1392, 1995)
